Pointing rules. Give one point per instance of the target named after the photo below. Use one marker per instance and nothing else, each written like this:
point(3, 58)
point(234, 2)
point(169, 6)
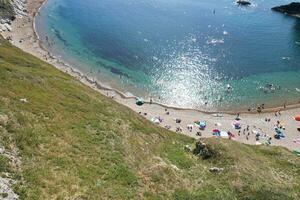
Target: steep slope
point(77, 144)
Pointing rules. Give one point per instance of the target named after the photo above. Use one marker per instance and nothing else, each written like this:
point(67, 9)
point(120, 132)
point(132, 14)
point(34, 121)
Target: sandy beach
point(23, 35)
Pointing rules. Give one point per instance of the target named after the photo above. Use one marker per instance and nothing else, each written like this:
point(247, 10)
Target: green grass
point(4, 164)
point(77, 144)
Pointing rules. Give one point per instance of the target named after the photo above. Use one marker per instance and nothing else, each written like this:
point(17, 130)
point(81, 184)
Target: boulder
point(243, 3)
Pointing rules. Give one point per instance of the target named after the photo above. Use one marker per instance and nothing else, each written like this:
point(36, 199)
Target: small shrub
point(204, 151)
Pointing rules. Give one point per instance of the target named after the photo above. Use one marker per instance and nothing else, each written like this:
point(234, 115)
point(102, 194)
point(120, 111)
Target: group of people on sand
point(277, 113)
point(258, 108)
point(246, 132)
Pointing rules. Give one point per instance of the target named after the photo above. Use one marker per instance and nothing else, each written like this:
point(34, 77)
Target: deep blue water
point(182, 52)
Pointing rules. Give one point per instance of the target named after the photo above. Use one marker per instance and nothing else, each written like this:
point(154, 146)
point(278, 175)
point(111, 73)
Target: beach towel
point(224, 134)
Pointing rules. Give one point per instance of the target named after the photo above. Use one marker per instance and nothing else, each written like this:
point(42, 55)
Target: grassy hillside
point(77, 144)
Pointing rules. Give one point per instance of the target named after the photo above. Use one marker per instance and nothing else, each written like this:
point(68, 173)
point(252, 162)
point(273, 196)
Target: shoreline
point(64, 66)
point(24, 30)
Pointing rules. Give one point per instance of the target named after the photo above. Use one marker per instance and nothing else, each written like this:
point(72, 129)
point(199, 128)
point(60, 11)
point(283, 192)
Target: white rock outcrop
point(19, 7)
point(20, 11)
point(6, 192)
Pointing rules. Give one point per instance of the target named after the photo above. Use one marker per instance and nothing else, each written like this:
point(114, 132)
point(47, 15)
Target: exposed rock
point(2, 28)
point(7, 27)
point(6, 178)
point(19, 8)
point(6, 10)
point(216, 169)
point(6, 192)
point(291, 9)
point(14, 9)
point(4, 21)
point(243, 3)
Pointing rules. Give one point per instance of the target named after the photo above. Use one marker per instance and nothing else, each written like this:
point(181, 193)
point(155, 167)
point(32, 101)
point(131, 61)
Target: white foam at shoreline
point(99, 83)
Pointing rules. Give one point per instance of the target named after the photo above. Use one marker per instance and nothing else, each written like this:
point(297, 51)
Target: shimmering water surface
point(182, 52)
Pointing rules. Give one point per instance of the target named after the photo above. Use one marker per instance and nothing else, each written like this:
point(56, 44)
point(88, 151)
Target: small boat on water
point(243, 3)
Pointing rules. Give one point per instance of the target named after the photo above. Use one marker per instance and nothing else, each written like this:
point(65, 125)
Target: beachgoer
point(257, 136)
point(259, 109)
point(269, 140)
point(178, 121)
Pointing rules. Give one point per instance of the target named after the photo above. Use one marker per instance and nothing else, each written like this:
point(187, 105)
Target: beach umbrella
point(202, 124)
point(297, 118)
point(237, 125)
point(216, 132)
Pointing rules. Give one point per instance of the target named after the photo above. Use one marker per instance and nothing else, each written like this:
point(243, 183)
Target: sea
point(211, 55)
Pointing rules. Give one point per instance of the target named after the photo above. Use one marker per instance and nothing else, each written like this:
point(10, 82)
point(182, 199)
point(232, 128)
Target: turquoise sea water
point(184, 53)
